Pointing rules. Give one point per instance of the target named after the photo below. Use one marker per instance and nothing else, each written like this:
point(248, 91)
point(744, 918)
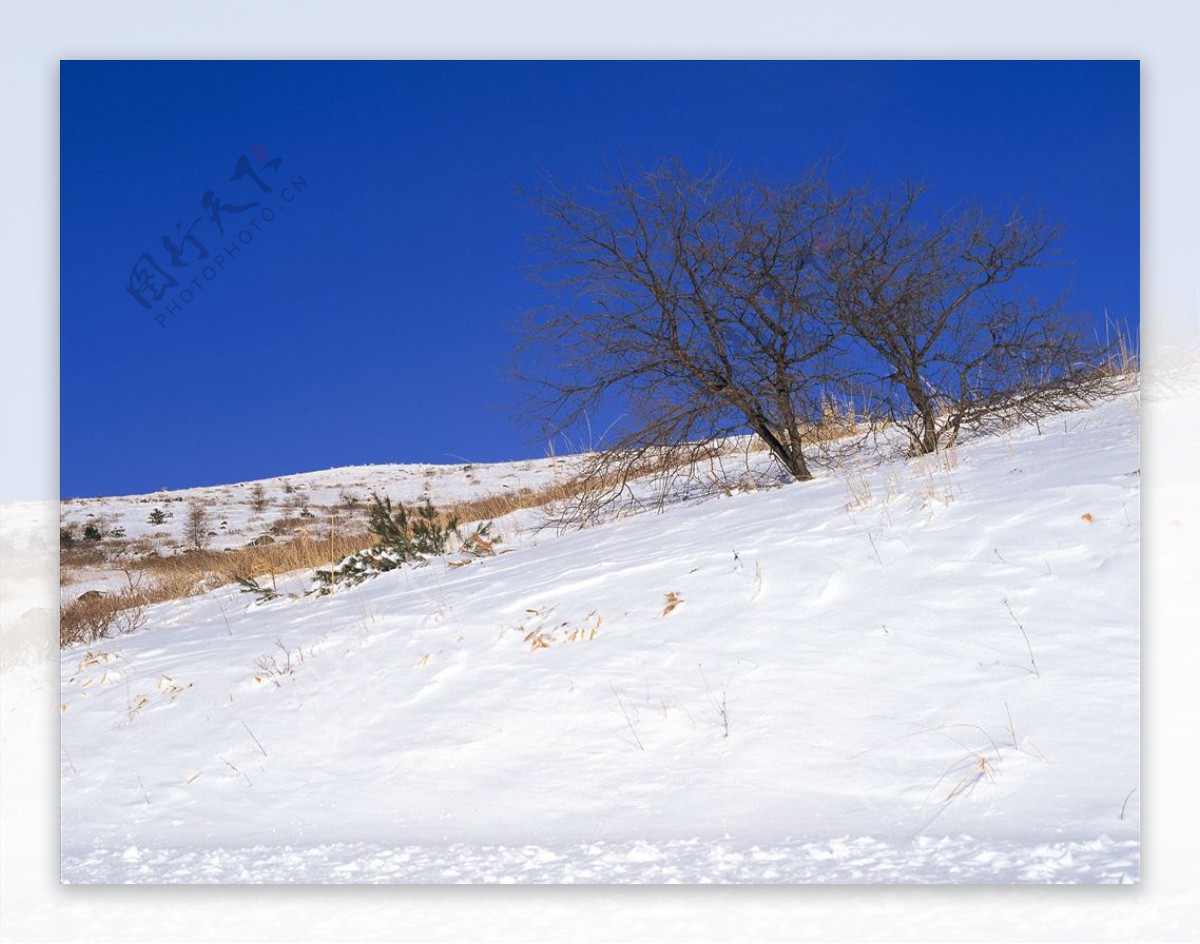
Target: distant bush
point(66, 537)
point(157, 516)
point(92, 533)
point(282, 526)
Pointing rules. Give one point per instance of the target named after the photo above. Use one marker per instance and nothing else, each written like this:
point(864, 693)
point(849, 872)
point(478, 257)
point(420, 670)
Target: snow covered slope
point(916, 671)
point(231, 510)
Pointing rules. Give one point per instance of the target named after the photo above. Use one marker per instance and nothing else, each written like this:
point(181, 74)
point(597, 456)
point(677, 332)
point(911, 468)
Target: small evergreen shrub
point(403, 537)
point(264, 594)
point(92, 533)
point(410, 536)
point(157, 516)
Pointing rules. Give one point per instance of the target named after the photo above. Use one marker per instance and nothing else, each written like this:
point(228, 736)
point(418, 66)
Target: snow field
point(932, 676)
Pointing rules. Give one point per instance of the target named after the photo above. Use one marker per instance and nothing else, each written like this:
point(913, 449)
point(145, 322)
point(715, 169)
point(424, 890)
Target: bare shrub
point(85, 620)
point(287, 525)
point(95, 616)
point(131, 616)
point(611, 482)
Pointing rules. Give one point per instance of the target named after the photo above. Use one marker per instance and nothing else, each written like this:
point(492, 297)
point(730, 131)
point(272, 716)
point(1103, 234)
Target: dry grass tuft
point(95, 616)
point(1123, 359)
point(838, 421)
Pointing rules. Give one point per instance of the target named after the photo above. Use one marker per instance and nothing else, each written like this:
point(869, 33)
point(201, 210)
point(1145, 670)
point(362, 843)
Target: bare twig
point(256, 740)
point(225, 617)
point(628, 720)
point(720, 707)
point(1032, 662)
point(233, 767)
point(1126, 803)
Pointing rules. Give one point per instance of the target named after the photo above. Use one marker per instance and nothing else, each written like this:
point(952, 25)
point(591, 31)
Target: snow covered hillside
point(280, 507)
point(915, 671)
point(237, 521)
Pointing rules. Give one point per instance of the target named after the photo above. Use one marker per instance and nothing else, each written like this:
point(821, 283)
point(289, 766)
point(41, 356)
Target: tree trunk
point(928, 440)
point(790, 459)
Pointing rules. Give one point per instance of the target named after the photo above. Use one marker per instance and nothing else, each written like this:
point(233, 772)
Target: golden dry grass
point(308, 550)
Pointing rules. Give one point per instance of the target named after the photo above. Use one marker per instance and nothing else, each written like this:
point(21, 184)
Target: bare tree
point(195, 526)
point(938, 307)
point(258, 498)
point(702, 307)
point(692, 301)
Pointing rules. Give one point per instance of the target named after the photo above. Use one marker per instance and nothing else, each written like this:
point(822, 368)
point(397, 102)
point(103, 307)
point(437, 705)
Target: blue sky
point(369, 318)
